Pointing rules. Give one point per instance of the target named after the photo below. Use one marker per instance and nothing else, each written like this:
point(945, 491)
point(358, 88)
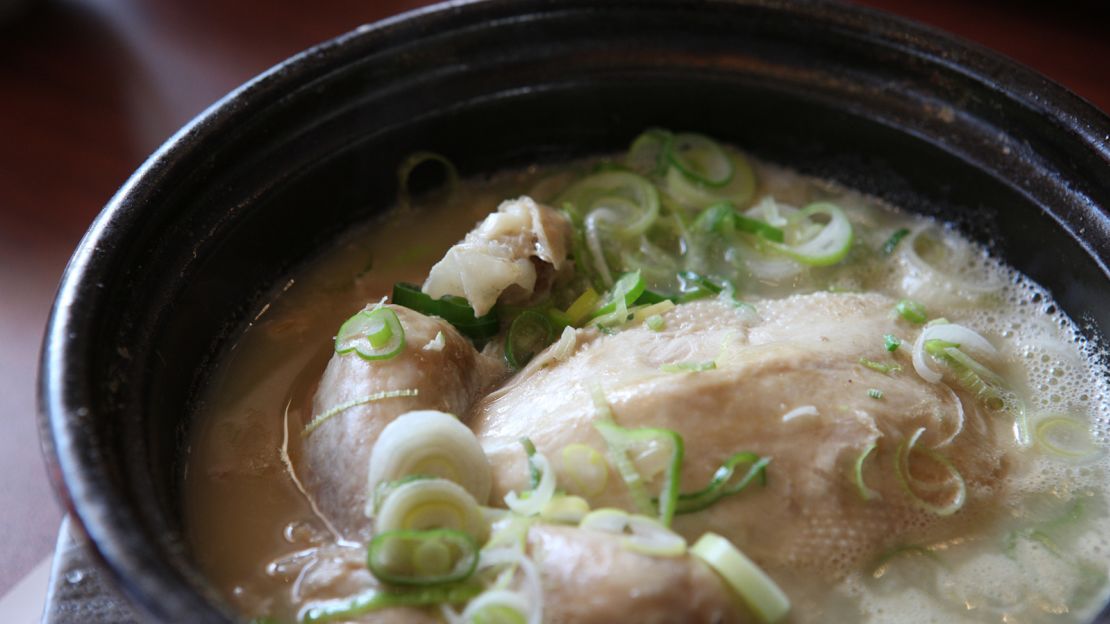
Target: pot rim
point(65, 395)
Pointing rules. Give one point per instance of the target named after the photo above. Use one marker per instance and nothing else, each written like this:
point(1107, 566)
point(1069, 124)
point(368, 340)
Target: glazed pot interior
point(217, 221)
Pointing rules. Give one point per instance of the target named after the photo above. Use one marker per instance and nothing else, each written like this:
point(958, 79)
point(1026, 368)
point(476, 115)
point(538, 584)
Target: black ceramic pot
point(195, 240)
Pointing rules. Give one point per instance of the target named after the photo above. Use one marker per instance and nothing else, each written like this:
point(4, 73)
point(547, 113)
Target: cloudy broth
point(1041, 556)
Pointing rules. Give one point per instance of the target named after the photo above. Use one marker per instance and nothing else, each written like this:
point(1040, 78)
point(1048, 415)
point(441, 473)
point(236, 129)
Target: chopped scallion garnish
point(654, 322)
point(909, 483)
point(374, 334)
point(911, 310)
point(766, 600)
point(891, 342)
point(875, 393)
point(895, 238)
point(454, 310)
point(865, 492)
point(422, 558)
point(624, 293)
point(582, 306)
point(378, 598)
point(881, 367)
point(529, 334)
point(722, 485)
point(621, 441)
point(688, 367)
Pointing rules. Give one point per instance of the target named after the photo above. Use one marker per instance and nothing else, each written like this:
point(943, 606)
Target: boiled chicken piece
point(591, 577)
point(335, 456)
point(513, 255)
point(789, 386)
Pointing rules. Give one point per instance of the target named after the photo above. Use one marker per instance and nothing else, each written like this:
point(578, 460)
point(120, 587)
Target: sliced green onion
point(625, 291)
point(348, 609)
point(826, 246)
point(947, 342)
point(565, 509)
point(652, 297)
point(534, 472)
point(529, 334)
point(541, 474)
point(496, 606)
point(909, 482)
point(626, 202)
point(875, 393)
point(700, 159)
point(642, 534)
point(429, 442)
point(721, 484)
point(688, 367)
point(693, 194)
point(722, 218)
point(454, 310)
point(425, 504)
point(694, 286)
point(372, 334)
point(655, 322)
point(911, 310)
point(881, 367)
point(891, 342)
point(422, 558)
point(582, 306)
point(895, 238)
point(640, 314)
point(586, 469)
point(1065, 437)
point(648, 153)
point(762, 595)
point(621, 441)
point(342, 407)
point(414, 160)
point(865, 492)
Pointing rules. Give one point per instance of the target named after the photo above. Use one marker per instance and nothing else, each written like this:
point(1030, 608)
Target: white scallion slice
point(425, 504)
point(700, 159)
point(586, 469)
point(626, 202)
point(640, 534)
point(865, 492)
point(758, 591)
point(372, 334)
point(648, 153)
point(422, 558)
point(428, 442)
point(816, 244)
point(497, 606)
point(533, 501)
point(912, 484)
point(1065, 437)
point(967, 340)
point(694, 195)
point(565, 509)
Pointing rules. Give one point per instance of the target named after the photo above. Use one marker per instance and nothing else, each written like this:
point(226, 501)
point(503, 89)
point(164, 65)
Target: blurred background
point(89, 88)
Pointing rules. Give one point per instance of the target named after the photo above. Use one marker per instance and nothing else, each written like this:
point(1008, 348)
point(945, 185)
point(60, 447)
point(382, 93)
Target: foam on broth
point(253, 532)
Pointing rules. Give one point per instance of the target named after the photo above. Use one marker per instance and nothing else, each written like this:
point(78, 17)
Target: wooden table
point(88, 88)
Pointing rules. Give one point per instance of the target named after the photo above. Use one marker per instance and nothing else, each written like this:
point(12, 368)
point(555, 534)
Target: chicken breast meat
point(791, 387)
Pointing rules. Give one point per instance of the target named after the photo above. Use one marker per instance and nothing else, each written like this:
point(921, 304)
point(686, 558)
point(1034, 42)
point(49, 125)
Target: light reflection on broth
point(1039, 554)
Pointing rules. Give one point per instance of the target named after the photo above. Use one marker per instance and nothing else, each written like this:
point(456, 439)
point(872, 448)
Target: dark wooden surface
point(88, 88)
